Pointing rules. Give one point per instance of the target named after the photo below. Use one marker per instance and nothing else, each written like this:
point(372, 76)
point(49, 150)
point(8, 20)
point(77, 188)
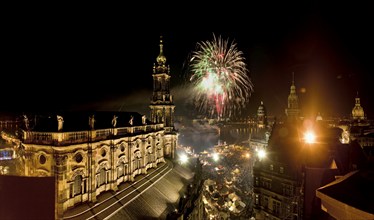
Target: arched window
point(120, 170)
point(77, 185)
point(102, 176)
point(125, 169)
point(149, 154)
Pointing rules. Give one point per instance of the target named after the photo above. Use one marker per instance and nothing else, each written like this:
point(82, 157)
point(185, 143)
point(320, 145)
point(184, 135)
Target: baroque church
point(92, 152)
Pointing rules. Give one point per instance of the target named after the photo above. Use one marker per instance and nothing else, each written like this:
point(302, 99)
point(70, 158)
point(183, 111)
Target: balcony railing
point(77, 137)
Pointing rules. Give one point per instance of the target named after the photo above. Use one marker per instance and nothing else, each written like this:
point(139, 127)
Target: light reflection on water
point(203, 140)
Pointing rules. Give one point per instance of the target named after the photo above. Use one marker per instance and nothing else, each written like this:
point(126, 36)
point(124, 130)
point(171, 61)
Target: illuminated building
point(292, 110)
point(260, 130)
point(261, 116)
point(92, 152)
point(361, 129)
point(357, 111)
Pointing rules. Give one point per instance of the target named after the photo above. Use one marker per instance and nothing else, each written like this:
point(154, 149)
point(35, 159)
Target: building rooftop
point(81, 121)
point(359, 184)
point(287, 145)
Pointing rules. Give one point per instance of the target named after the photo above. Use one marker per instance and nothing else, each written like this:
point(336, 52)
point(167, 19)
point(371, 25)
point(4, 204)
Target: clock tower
point(162, 106)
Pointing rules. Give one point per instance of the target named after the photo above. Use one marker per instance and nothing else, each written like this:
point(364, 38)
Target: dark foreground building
point(286, 180)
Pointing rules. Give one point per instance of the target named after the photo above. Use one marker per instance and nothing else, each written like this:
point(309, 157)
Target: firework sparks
point(220, 77)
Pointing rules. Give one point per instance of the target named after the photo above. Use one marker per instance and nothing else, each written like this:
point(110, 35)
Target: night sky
point(106, 64)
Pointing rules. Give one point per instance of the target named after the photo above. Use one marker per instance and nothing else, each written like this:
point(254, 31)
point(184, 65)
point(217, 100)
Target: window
point(77, 185)
point(42, 159)
point(256, 199)
point(266, 183)
point(71, 190)
point(266, 202)
point(281, 169)
point(102, 176)
point(78, 158)
point(276, 207)
point(103, 152)
point(271, 167)
point(120, 170)
point(287, 190)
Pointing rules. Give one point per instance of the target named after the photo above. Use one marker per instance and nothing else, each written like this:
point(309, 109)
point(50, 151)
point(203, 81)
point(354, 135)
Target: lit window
point(281, 169)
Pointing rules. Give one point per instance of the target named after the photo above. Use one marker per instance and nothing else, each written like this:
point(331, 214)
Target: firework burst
point(222, 86)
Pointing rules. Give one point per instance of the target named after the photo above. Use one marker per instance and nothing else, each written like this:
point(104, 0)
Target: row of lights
point(309, 138)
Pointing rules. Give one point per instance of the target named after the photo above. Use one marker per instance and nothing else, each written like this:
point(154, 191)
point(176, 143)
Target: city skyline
point(101, 68)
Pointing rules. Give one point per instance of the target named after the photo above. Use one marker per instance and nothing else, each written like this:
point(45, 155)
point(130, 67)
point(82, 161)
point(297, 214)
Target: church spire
point(292, 110)
point(293, 78)
point(161, 59)
point(160, 67)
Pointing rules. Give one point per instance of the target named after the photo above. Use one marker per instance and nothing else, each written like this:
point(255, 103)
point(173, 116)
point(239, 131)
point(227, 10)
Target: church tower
point(261, 116)
point(357, 111)
point(162, 107)
point(292, 110)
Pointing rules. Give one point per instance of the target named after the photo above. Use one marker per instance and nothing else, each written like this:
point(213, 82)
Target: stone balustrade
point(76, 137)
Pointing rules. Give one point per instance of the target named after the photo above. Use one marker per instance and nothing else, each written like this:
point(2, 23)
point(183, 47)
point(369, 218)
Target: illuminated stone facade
point(88, 162)
point(162, 106)
point(292, 110)
point(93, 152)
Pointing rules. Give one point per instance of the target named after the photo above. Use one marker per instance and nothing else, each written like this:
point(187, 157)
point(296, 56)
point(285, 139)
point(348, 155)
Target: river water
point(203, 139)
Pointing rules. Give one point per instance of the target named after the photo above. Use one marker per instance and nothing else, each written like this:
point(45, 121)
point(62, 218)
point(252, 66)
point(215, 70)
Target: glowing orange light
point(309, 137)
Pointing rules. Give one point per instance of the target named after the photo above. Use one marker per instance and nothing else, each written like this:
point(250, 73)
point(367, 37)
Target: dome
point(358, 111)
point(161, 59)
